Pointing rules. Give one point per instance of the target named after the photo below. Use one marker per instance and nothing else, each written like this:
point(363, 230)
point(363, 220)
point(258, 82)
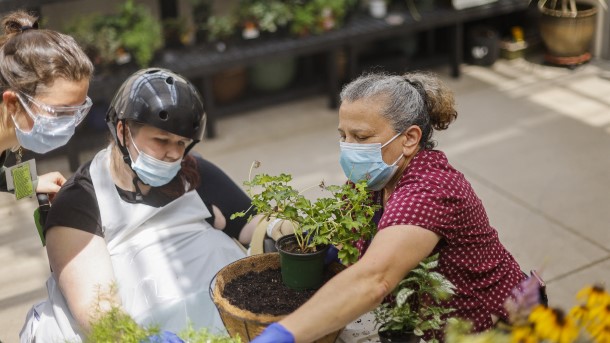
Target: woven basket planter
point(243, 323)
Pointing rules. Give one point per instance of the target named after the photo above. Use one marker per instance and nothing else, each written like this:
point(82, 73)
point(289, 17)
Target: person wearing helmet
point(131, 228)
point(44, 79)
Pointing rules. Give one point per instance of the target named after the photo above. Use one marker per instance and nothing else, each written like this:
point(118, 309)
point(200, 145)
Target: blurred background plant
point(318, 16)
point(220, 28)
point(115, 38)
point(266, 15)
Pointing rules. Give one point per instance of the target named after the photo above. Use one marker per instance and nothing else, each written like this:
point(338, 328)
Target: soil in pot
point(264, 292)
point(248, 324)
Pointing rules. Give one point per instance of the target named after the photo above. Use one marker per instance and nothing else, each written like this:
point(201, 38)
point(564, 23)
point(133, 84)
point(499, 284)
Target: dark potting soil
point(264, 292)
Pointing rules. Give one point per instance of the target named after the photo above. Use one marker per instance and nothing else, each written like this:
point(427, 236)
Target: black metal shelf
point(12, 5)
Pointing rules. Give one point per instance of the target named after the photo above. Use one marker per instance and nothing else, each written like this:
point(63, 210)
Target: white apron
point(163, 259)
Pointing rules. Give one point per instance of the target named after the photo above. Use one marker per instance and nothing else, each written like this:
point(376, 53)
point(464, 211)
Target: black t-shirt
point(3, 186)
point(76, 204)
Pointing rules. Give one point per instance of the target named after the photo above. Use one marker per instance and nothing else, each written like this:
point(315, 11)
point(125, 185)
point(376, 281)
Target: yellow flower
point(580, 313)
point(600, 315)
point(594, 296)
point(600, 334)
point(553, 325)
point(523, 334)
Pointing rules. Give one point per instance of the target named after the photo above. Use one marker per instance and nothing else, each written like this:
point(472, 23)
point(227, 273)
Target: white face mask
point(152, 171)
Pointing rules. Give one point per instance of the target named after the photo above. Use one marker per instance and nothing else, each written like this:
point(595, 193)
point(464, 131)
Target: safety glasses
point(44, 110)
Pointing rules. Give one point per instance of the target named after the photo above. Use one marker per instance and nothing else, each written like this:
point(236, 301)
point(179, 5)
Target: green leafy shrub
point(133, 29)
point(416, 304)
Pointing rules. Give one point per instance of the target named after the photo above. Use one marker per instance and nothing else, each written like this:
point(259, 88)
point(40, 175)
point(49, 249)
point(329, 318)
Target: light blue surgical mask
point(365, 162)
point(152, 171)
point(47, 133)
point(52, 128)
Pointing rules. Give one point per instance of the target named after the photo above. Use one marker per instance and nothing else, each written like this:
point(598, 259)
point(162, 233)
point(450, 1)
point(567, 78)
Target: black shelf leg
point(457, 49)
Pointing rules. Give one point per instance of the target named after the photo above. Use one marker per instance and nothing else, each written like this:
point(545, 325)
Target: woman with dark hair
point(44, 79)
point(134, 227)
point(386, 124)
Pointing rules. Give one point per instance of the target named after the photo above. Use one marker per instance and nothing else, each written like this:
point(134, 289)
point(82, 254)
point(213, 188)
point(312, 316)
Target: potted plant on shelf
point(567, 28)
point(414, 305)
point(341, 220)
point(318, 16)
point(220, 30)
point(201, 12)
point(131, 34)
point(269, 16)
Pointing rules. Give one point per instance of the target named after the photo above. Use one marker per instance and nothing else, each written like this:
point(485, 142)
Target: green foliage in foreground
point(117, 326)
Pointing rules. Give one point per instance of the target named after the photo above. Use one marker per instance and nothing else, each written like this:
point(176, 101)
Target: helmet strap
point(127, 160)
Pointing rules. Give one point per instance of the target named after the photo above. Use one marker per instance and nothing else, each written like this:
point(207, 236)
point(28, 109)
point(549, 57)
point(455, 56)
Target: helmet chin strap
point(127, 160)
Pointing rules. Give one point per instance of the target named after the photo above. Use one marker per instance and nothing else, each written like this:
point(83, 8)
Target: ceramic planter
point(567, 36)
point(273, 75)
point(301, 270)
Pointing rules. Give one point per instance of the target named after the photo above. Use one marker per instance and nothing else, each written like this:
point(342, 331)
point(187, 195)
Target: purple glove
point(274, 333)
point(163, 337)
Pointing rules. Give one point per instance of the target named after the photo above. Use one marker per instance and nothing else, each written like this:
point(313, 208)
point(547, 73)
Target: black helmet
point(162, 99)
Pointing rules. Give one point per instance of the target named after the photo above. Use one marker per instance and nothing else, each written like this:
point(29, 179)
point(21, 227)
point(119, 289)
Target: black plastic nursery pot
point(301, 270)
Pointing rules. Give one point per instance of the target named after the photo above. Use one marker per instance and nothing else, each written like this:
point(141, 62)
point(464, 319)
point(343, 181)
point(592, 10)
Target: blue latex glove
point(274, 333)
point(163, 337)
point(331, 255)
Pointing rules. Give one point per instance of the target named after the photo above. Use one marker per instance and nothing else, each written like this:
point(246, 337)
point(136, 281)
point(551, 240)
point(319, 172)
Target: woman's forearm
point(361, 287)
point(340, 301)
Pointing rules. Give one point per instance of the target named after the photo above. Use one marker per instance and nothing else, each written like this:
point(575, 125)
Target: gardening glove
point(274, 333)
point(266, 233)
point(332, 255)
point(163, 337)
point(278, 228)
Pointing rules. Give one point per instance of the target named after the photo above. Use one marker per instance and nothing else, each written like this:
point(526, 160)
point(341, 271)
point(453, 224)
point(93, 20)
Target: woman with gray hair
point(386, 124)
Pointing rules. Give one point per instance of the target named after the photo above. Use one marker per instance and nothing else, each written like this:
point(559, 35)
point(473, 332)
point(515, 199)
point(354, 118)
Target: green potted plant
point(201, 11)
point(318, 16)
point(116, 38)
point(340, 219)
point(415, 305)
point(257, 16)
point(176, 32)
point(220, 30)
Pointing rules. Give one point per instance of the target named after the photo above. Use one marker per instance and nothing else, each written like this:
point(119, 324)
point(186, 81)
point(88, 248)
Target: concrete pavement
point(533, 140)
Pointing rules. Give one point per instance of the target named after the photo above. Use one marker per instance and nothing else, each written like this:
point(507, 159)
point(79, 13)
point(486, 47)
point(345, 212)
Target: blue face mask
point(365, 162)
point(53, 126)
point(46, 134)
point(152, 171)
